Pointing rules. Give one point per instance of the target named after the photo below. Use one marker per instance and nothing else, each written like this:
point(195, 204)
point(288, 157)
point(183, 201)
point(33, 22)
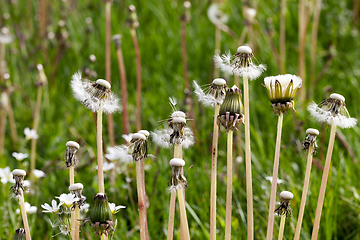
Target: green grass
point(63, 118)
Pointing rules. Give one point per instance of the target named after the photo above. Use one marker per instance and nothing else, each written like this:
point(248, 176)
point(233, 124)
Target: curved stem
point(183, 219)
point(141, 199)
point(304, 192)
point(170, 232)
point(282, 226)
point(229, 185)
point(214, 175)
point(24, 216)
point(99, 151)
point(249, 191)
point(325, 176)
point(270, 225)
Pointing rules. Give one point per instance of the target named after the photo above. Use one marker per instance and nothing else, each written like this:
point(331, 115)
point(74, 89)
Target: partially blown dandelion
point(240, 64)
point(284, 210)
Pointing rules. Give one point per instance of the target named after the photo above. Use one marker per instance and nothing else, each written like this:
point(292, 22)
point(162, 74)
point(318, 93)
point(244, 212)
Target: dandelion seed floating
point(310, 146)
point(333, 112)
point(282, 90)
point(284, 210)
point(94, 95)
point(240, 64)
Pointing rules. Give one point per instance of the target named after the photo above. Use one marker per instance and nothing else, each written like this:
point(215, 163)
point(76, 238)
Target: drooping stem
point(110, 121)
point(183, 219)
point(214, 174)
point(123, 84)
point(24, 216)
point(249, 191)
point(35, 126)
point(141, 201)
point(282, 226)
point(270, 225)
point(171, 215)
point(230, 136)
point(304, 192)
point(100, 151)
point(325, 176)
point(138, 79)
point(282, 37)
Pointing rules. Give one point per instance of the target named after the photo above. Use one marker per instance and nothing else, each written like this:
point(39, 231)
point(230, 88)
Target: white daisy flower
point(6, 175)
point(94, 95)
point(214, 93)
point(240, 64)
point(27, 183)
point(20, 156)
point(115, 209)
point(28, 209)
point(85, 208)
point(332, 110)
point(38, 173)
point(270, 178)
point(119, 152)
point(107, 166)
point(30, 133)
point(54, 208)
point(67, 199)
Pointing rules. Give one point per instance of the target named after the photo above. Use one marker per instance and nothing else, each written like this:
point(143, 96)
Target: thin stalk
point(141, 199)
point(230, 136)
point(217, 49)
point(304, 192)
point(2, 129)
point(138, 79)
point(183, 219)
point(124, 97)
point(314, 36)
point(73, 216)
point(142, 169)
point(249, 191)
point(77, 224)
point(177, 151)
point(282, 37)
point(214, 175)
point(42, 12)
point(99, 151)
point(12, 122)
point(171, 215)
point(270, 226)
point(110, 121)
point(302, 39)
point(24, 216)
point(282, 226)
point(320, 203)
point(35, 126)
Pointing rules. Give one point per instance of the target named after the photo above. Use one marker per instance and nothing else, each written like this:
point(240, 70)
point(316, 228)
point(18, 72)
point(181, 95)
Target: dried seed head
point(231, 111)
point(18, 176)
point(76, 189)
point(117, 40)
point(310, 139)
point(70, 154)
point(138, 145)
point(20, 234)
point(284, 208)
point(178, 179)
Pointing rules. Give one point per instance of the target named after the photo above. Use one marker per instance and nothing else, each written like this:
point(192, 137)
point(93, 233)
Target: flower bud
point(231, 111)
point(101, 216)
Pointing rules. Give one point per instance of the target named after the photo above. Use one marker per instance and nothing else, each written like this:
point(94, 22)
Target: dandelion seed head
point(20, 156)
point(214, 94)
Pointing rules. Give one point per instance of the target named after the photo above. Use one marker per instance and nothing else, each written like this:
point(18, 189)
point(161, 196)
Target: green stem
point(99, 151)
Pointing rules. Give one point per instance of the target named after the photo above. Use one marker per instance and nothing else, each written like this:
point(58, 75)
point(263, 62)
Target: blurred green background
point(67, 48)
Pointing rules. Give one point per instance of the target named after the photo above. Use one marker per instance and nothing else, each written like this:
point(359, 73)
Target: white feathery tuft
point(161, 138)
point(206, 99)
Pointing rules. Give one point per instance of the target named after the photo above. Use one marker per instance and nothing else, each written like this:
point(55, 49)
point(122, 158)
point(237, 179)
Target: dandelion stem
point(282, 226)
point(35, 126)
point(171, 215)
point(138, 79)
point(270, 225)
point(2, 129)
point(99, 151)
point(141, 199)
point(230, 136)
point(77, 225)
point(124, 97)
point(24, 216)
point(314, 37)
point(214, 174)
point(183, 219)
point(304, 192)
point(217, 47)
point(12, 122)
point(323, 183)
point(249, 191)
point(110, 121)
point(73, 217)
point(177, 151)
point(282, 37)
